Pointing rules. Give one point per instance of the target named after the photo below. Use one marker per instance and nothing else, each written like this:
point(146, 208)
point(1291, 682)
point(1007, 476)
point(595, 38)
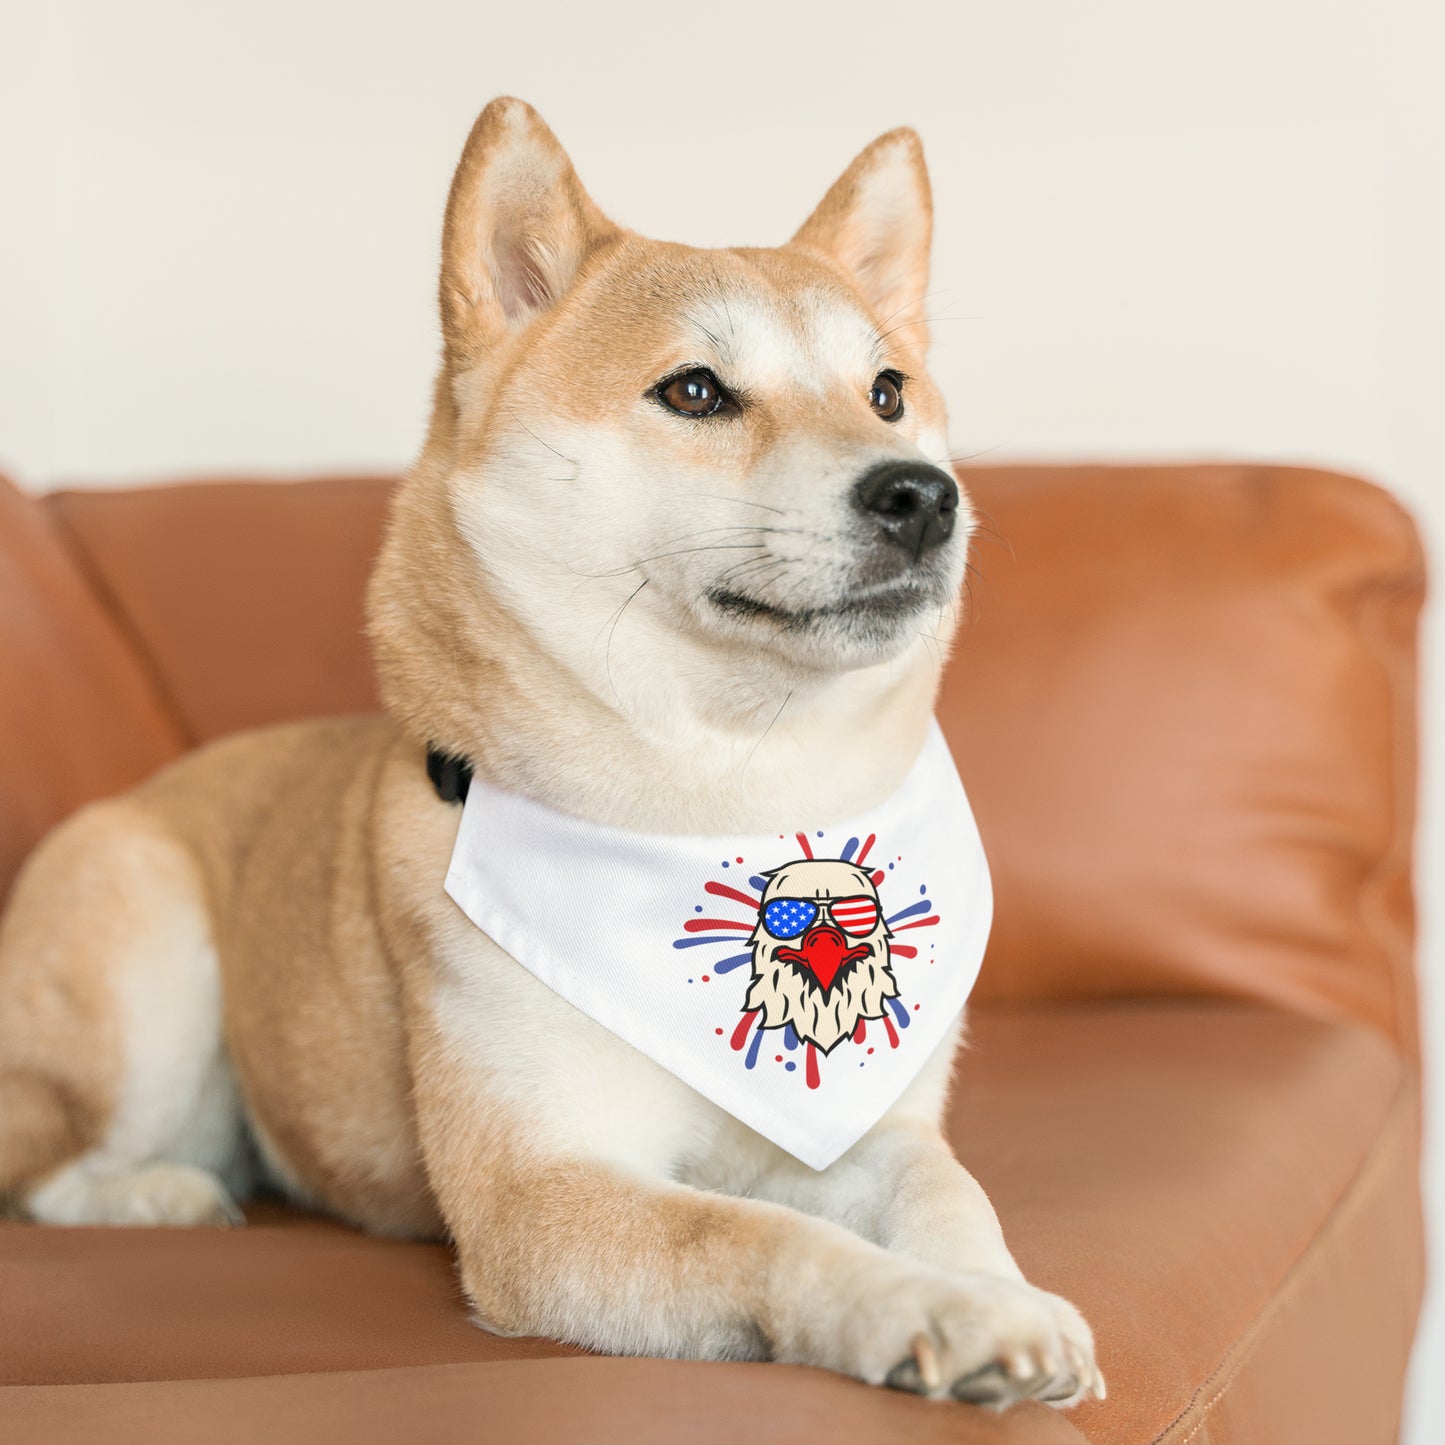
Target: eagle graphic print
point(823, 955)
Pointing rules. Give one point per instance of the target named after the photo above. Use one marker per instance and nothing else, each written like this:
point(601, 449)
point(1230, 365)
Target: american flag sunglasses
point(792, 917)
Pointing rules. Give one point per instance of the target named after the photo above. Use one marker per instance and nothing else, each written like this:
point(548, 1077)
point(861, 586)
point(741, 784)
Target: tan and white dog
point(675, 557)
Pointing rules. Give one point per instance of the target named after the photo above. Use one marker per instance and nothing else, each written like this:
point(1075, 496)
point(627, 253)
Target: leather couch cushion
point(79, 716)
point(1184, 711)
point(583, 1402)
point(246, 597)
point(1200, 1178)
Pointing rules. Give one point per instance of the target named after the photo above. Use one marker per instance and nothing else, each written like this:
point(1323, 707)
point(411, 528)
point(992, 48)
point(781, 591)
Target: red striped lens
point(855, 916)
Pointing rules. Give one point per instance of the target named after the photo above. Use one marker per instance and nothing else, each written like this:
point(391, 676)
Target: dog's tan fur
point(260, 932)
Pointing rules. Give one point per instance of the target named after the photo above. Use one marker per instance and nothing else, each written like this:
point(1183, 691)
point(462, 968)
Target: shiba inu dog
point(676, 556)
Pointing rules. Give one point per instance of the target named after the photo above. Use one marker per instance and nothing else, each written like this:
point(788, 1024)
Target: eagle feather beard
point(787, 994)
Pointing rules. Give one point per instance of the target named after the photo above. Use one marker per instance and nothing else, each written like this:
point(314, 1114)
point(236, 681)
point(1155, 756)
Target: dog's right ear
point(518, 227)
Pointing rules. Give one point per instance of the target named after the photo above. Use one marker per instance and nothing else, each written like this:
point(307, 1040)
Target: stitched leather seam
point(1374, 911)
point(1299, 1272)
point(124, 623)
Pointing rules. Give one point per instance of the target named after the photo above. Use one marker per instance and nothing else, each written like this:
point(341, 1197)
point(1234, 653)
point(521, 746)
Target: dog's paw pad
point(919, 1373)
point(1061, 1391)
point(988, 1386)
point(905, 1376)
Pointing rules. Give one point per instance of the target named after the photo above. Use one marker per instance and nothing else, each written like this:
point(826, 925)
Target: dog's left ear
point(877, 223)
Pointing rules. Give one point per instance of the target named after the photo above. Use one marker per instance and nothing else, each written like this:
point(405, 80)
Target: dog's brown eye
point(694, 393)
point(886, 398)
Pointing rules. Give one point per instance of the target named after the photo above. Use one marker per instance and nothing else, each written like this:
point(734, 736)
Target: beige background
point(1164, 229)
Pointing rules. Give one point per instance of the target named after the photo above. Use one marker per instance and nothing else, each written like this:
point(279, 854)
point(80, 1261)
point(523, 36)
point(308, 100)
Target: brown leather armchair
point(1185, 710)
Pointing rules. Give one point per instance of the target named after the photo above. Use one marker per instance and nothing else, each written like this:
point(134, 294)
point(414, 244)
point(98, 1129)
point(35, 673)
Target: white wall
point(1164, 229)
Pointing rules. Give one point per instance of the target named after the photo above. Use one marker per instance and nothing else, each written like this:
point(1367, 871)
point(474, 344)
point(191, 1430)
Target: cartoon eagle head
point(820, 951)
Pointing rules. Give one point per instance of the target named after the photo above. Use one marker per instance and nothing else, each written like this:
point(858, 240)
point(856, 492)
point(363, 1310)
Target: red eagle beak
point(824, 953)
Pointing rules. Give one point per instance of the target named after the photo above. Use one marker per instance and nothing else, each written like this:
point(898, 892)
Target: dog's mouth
point(893, 602)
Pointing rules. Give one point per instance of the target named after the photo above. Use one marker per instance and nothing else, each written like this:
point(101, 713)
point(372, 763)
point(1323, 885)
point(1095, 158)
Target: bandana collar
point(798, 981)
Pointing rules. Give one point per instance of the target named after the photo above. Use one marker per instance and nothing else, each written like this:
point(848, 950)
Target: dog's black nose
point(914, 504)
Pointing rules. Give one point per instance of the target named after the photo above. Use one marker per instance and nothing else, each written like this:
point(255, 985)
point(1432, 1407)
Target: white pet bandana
point(798, 981)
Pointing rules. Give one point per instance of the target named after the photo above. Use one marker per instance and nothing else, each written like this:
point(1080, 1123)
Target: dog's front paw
point(979, 1338)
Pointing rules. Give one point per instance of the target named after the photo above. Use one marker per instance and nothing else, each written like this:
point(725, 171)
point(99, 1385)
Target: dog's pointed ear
point(877, 223)
point(518, 227)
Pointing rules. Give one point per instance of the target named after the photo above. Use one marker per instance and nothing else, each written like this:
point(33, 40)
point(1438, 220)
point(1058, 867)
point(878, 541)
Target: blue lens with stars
point(789, 917)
